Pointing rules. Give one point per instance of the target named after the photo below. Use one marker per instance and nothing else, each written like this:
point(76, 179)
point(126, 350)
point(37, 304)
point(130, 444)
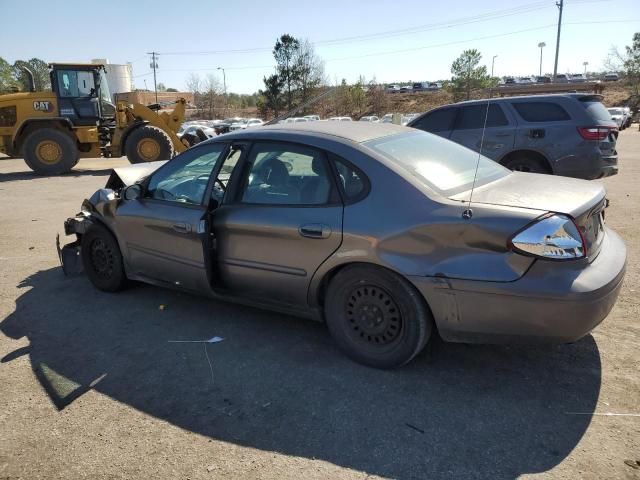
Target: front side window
point(286, 174)
point(473, 117)
point(76, 83)
point(184, 179)
point(437, 121)
point(443, 166)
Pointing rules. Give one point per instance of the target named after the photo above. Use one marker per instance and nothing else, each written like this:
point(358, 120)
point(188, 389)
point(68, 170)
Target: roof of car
point(355, 131)
point(528, 97)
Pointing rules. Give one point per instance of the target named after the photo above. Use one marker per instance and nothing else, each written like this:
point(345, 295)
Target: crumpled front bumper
point(69, 254)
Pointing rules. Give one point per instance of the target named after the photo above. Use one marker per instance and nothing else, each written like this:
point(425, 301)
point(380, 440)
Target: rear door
point(497, 139)
point(164, 231)
point(282, 220)
point(439, 122)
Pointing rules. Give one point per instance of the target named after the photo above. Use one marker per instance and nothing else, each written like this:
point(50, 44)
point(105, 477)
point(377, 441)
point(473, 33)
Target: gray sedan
point(368, 227)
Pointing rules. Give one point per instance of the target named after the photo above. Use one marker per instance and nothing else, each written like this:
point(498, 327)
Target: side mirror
point(133, 192)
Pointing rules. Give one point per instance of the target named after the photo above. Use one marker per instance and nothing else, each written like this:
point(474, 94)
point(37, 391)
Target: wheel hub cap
point(373, 315)
point(101, 259)
point(49, 152)
point(148, 149)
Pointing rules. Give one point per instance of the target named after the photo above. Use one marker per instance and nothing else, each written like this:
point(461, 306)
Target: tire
point(148, 144)
point(102, 260)
point(526, 163)
point(48, 151)
point(377, 317)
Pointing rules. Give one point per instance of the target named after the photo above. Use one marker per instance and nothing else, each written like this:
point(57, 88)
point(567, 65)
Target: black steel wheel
point(376, 316)
point(102, 259)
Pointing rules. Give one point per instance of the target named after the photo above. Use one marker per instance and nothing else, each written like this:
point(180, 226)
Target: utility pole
point(541, 45)
point(224, 82)
point(154, 65)
point(560, 5)
point(493, 61)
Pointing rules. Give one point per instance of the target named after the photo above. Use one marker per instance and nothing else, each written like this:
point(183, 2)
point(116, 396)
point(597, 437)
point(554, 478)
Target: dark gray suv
point(568, 134)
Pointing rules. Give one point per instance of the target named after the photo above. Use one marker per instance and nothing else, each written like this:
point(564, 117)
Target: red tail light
point(595, 133)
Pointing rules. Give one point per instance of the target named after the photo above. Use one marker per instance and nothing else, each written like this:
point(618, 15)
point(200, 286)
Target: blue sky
point(422, 39)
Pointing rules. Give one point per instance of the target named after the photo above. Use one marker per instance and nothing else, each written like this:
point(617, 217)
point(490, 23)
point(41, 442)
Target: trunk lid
point(583, 200)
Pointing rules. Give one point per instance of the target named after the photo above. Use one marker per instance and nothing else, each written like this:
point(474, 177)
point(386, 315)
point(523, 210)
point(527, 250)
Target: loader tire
point(48, 151)
point(148, 144)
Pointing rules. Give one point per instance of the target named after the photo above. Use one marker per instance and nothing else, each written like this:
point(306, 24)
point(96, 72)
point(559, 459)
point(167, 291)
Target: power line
point(461, 21)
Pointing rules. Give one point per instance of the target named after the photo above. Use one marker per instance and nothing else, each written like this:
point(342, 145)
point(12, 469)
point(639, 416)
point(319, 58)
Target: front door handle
point(314, 230)
point(182, 227)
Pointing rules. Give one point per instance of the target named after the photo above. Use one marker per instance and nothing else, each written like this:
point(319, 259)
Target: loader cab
point(82, 92)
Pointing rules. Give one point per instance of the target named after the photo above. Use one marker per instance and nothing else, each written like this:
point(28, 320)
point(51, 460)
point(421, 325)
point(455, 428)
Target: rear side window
point(436, 121)
point(473, 116)
point(541, 111)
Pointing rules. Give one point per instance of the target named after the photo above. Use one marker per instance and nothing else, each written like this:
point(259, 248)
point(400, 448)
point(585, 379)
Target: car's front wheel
point(376, 316)
point(102, 259)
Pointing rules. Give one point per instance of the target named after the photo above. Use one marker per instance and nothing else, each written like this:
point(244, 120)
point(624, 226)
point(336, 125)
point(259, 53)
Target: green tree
point(40, 70)
point(468, 75)
point(285, 53)
point(632, 64)
point(161, 87)
point(6, 76)
point(172, 89)
point(272, 93)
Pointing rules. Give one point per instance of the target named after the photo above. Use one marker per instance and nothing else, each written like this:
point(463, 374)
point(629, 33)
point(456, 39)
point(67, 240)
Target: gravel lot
point(91, 388)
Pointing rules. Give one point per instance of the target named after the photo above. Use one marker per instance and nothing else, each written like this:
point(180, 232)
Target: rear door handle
point(314, 230)
point(502, 134)
point(182, 227)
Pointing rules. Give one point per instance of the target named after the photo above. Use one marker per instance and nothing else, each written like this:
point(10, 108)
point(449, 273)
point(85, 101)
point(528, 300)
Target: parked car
point(434, 86)
point(296, 120)
point(628, 116)
point(393, 88)
point(246, 123)
point(387, 118)
point(578, 78)
point(618, 116)
point(561, 78)
point(298, 218)
point(312, 118)
point(225, 125)
point(568, 134)
point(406, 89)
point(543, 79)
point(509, 81)
point(195, 133)
point(369, 118)
point(340, 119)
point(420, 86)
point(526, 81)
point(611, 77)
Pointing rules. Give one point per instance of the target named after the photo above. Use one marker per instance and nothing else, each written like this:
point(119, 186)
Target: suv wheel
point(526, 163)
point(377, 317)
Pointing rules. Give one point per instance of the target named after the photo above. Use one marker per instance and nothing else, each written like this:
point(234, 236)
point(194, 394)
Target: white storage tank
point(119, 77)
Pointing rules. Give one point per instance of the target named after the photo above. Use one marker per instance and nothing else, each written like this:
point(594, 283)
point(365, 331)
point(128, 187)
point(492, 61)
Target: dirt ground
point(90, 386)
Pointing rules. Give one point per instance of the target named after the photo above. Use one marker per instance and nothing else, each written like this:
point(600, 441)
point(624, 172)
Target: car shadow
point(278, 384)
point(30, 175)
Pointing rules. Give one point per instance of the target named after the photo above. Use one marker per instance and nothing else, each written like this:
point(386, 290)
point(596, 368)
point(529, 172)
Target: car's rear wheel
point(102, 259)
point(527, 163)
point(377, 317)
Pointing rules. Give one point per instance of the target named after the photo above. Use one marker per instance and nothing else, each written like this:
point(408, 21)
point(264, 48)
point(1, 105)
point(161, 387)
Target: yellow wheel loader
point(77, 119)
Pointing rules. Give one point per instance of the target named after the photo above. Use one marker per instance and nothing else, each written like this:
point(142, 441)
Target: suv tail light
point(595, 133)
point(553, 236)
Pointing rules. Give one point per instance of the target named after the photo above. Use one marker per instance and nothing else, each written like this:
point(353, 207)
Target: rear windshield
point(597, 111)
point(442, 165)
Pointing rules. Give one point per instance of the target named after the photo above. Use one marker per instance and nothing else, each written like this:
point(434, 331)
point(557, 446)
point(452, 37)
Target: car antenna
point(467, 214)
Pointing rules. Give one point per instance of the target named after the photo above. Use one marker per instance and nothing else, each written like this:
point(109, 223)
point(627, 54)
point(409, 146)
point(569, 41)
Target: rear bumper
point(588, 167)
point(554, 302)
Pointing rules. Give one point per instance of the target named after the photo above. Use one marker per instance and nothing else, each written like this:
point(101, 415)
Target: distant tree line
point(12, 77)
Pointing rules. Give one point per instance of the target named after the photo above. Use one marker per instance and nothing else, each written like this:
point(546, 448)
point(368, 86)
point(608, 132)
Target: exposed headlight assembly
point(554, 237)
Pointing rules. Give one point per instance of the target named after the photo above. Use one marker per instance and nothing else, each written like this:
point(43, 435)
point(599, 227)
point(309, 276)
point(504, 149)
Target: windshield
point(442, 165)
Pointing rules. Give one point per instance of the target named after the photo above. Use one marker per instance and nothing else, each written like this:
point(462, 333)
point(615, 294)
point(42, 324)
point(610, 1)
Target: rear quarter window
point(597, 111)
point(541, 111)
